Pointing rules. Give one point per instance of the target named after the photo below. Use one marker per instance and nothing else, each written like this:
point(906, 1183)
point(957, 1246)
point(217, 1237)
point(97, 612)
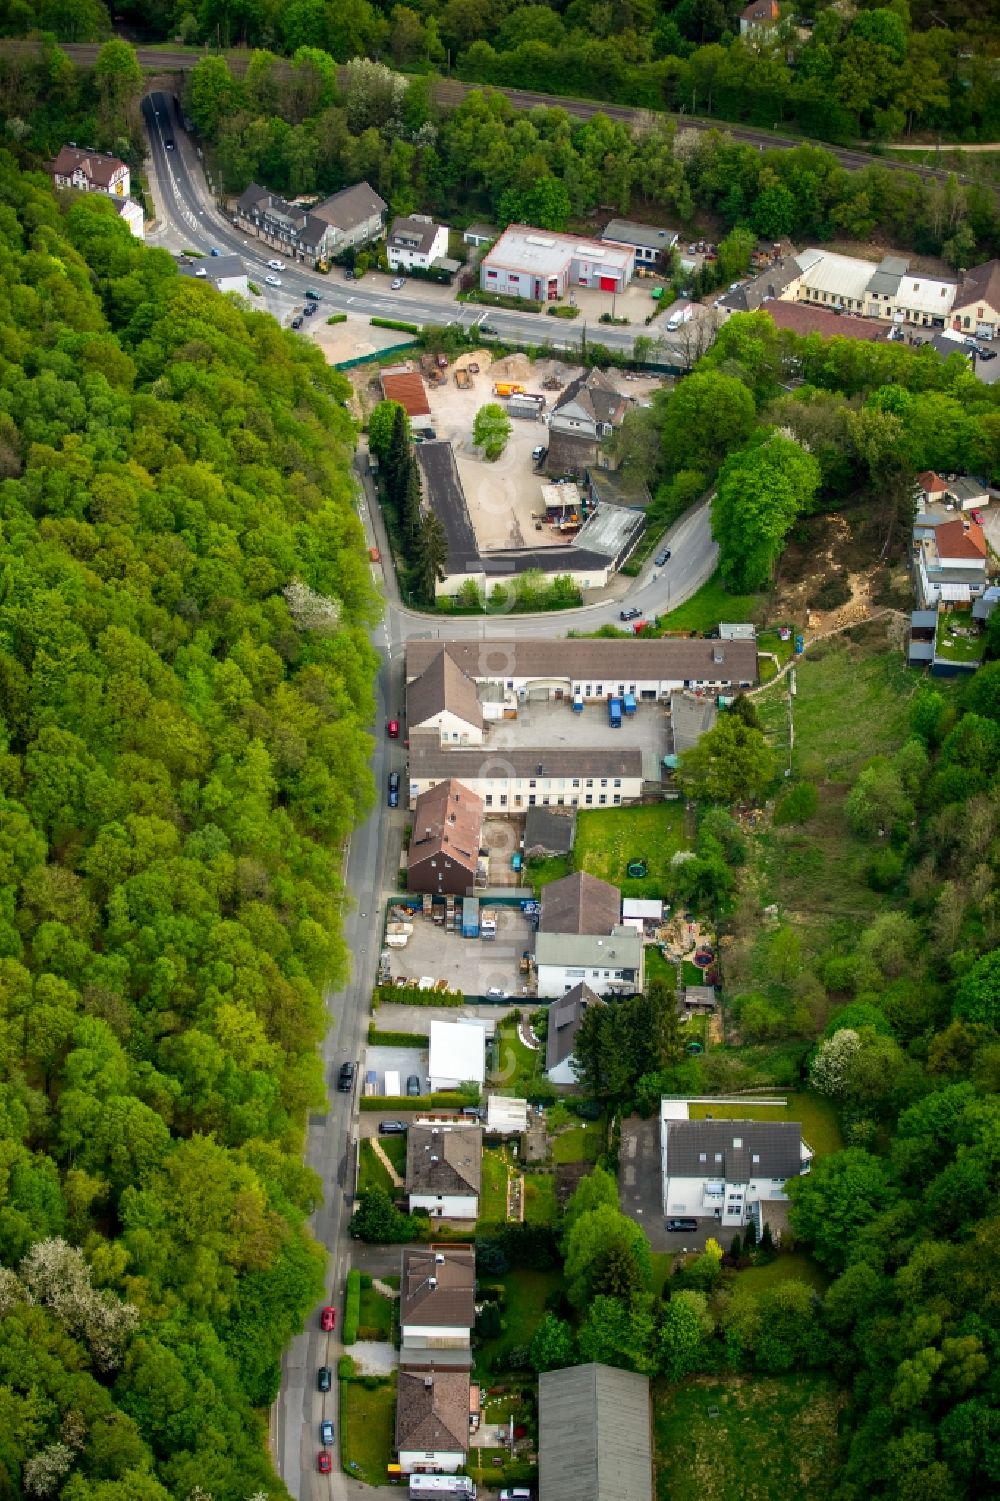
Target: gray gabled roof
point(350, 207)
point(550, 831)
point(442, 686)
point(444, 1160)
point(727, 1148)
point(595, 1435)
point(595, 660)
point(649, 236)
point(564, 1018)
point(596, 395)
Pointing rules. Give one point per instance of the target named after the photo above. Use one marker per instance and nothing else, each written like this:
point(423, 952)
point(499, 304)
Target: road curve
point(451, 91)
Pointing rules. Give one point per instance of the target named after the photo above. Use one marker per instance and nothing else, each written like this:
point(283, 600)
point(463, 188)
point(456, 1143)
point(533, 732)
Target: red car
point(325, 1462)
point(392, 729)
point(977, 517)
point(328, 1318)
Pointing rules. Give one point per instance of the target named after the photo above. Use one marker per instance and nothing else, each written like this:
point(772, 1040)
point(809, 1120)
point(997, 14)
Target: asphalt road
point(451, 91)
point(189, 218)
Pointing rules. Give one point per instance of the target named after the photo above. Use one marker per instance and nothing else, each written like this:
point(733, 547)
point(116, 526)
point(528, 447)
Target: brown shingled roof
point(580, 903)
point(432, 1411)
point(408, 389)
point(980, 286)
point(805, 318)
point(447, 820)
point(94, 164)
point(442, 685)
point(439, 1287)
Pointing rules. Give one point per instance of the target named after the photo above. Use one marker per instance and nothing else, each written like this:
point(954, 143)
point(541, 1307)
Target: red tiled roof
point(931, 483)
point(409, 391)
point(803, 318)
point(94, 164)
point(960, 539)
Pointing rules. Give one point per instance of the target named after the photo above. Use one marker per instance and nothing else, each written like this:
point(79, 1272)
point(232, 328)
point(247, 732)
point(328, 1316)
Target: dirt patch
point(874, 250)
point(569, 1176)
point(829, 575)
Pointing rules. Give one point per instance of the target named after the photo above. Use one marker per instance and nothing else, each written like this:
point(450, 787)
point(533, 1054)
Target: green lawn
point(771, 1437)
point(540, 1198)
point(373, 1173)
point(788, 1266)
point(394, 1148)
point(523, 1311)
point(818, 1118)
point(659, 968)
point(377, 1314)
point(519, 1064)
point(367, 1429)
point(493, 1198)
point(608, 838)
point(581, 1143)
point(711, 605)
point(663, 1262)
point(539, 873)
point(958, 639)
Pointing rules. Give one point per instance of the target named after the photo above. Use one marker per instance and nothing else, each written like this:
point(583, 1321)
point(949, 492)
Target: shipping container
point(615, 713)
point(629, 703)
point(392, 1083)
point(470, 917)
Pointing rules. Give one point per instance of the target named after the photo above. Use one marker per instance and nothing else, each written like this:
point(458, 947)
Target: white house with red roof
point(931, 488)
point(952, 563)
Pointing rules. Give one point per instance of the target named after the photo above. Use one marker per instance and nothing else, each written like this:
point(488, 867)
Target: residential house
point(457, 1054)
point(931, 488)
point(445, 839)
point(407, 387)
point(595, 1438)
point(759, 17)
point(432, 1421)
point(90, 172)
point(226, 273)
point(951, 562)
point(976, 309)
point(612, 963)
point(437, 1307)
point(444, 698)
point(774, 281)
point(968, 493)
point(580, 903)
point(415, 241)
point(544, 266)
point(132, 214)
point(587, 413)
point(549, 831)
point(652, 245)
point(351, 217)
point(444, 1167)
point(565, 1016)
point(480, 234)
point(721, 1169)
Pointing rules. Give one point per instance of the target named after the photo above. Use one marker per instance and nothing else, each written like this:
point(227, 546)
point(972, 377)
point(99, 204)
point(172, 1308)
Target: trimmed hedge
point(403, 328)
point(352, 1308)
point(564, 310)
point(447, 1100)
point(412, 995)
point(337, 318)
point(397, 1039)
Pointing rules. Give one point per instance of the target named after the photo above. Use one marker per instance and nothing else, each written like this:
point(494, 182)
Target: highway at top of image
point(190, 219)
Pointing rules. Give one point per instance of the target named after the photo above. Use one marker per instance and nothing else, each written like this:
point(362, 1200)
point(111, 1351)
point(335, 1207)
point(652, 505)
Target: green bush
point(501, 299)
point(403, 328)
point(565, 311)
point(446, 1100)
point(797, 805)
point(366, 1281)
point(412, 995)
point(337, 318)
point(346, 1368)
point(352, 1308)
point(396, 1039)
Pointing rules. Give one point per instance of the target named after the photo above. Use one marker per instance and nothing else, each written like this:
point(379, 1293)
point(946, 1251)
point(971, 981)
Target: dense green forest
point(185, 686)
point(833, 71)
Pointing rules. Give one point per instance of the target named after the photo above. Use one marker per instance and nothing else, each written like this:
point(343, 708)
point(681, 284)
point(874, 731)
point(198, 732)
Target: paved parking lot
point(640, 1191)
point(553, 723)
point(405, 1061)
point(468, 964)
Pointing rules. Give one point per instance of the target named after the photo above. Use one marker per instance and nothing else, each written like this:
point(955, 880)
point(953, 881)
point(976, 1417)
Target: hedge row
point(337, 318)
point(397, 1039)
point(447, 1100)
point(352, 1308)
point(403, 328)
point(412, 995)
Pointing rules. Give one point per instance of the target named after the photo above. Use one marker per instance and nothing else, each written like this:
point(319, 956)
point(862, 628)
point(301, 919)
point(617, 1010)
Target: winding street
point(188, 218)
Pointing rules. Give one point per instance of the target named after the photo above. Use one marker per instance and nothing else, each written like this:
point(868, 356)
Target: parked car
point(398, 282)
point(662, 557)
point(273, 281)
point(630, 614)
point(682, 1224)
point(346, 1079)
point(348, 274)
point(201, 271)
point(394, 789)
point(413, 1084)
point(310, 308)
point(488, 329)
point(539, 453)
point(977, 517)
point(326, 1432)
point(297, 321)
point(392, 729)
point(392, 1128)
point(987, 354)
point(276, 265)
point(313, 294)
point(325, 1379)
point(213, 251)
point(325, 1462)
point(328, 1318)
point(497, 992)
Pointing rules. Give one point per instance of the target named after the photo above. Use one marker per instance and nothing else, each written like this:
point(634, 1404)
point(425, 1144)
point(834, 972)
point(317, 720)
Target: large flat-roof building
point(543, 265)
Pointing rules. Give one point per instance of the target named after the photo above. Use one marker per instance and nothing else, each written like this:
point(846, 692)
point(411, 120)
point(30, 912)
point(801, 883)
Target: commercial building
point(444, 1167)
point(432, 1421)
point(565, 1017)
point(445, 839)
point(651, 244)
point(923, 301)
point(90, 172)
point(226, 273)
point(407, 387)
point(437, 1307)
point(835, 281)
point(457, 1054)
point(595, 1435)
point(544, 266)
point(416, 241)
point(612, 963)
point(511, 780)
point(721, 1169)
point(351, 217)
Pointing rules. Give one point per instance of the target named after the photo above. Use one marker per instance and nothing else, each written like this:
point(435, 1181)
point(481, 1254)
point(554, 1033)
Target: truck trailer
point(615, 713)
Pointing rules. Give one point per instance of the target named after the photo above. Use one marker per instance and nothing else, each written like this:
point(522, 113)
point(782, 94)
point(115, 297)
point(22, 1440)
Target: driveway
point(640, 1192)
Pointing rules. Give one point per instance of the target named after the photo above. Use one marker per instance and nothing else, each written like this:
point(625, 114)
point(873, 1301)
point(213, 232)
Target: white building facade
point(722, 1169)
point(612, 962)
point(416, 241)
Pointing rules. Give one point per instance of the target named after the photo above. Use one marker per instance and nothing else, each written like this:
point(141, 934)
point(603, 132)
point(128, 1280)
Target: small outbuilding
point(457, 1054)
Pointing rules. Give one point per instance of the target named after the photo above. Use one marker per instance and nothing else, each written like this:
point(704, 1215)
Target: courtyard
point(471, 965)
point(542, 723)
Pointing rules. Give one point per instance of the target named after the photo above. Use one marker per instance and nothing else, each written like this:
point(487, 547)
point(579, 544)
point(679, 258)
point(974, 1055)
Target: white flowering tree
point(831, 1066)
point(56, 1275)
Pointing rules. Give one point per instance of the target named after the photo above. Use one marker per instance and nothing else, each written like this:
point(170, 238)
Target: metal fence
point(376, 354)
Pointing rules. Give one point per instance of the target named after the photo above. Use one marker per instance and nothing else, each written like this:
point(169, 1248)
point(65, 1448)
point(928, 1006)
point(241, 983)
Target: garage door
point(608, 284)
point(538, 695)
